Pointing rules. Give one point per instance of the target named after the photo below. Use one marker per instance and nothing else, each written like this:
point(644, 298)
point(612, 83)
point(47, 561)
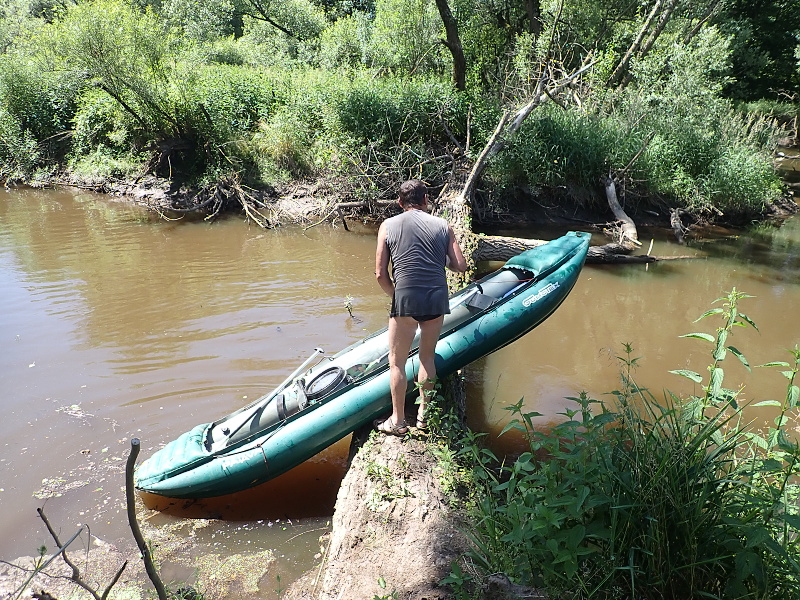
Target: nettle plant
point(640, 498)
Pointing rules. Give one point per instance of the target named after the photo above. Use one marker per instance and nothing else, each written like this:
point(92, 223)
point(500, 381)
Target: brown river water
point(115, 324)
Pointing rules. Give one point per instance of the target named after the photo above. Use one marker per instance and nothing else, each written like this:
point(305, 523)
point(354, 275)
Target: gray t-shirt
point(418, 245)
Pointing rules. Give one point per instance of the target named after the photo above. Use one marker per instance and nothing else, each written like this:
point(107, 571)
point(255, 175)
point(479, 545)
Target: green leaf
point(740, 356)
point(717, 376)
point(793, 396)
point(699, 336)
point(784, 443)
point(719, 351)
point(770, 466)
point(748, 320)
point(767, 403)
point(792, 521)
point(777, 363)
point(713, 311)
point(688, 374)
point(513, 425)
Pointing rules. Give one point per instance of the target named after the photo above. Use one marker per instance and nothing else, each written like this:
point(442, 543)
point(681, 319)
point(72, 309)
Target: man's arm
point(456, 260)
point(382, 263)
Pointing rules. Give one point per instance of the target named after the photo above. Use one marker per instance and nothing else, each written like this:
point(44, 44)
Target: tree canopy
point(377, 90)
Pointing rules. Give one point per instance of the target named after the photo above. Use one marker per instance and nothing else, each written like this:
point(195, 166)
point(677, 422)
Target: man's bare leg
point(429, 335)
point(401, 334)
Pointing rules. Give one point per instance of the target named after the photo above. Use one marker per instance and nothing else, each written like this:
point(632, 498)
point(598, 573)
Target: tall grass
point(642, 498)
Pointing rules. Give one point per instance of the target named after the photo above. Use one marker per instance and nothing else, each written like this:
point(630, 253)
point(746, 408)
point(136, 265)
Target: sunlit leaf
point(748, 320)
point(793, 396)
point(696, 377)
point(699, 336)
point(740, 356)
point(767, 403)
point(713, 311)
point(759, 441)
point(719, 351)
point(777, 363)
point(717, 375)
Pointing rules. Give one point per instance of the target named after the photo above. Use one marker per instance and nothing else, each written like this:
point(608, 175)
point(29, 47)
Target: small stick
point(152, 573)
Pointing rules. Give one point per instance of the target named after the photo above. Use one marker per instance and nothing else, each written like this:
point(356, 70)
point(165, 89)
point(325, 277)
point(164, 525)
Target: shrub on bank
point(714, 162)
point(673, 499)
point(36, 109)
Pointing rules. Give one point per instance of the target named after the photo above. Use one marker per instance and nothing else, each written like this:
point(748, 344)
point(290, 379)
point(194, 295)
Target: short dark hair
point(413, 192)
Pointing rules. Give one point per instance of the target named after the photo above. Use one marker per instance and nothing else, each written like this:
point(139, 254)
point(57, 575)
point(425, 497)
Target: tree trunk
point(710, 10)
point(534, 10)
point(662, 22)
point(453, 43)
point(622, 65)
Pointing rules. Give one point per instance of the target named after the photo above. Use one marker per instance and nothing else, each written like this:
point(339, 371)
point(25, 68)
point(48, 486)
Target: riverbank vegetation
point(680, 103)
point(642, 497)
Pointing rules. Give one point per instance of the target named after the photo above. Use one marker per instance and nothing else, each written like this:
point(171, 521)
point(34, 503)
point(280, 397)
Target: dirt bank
point(396, 527)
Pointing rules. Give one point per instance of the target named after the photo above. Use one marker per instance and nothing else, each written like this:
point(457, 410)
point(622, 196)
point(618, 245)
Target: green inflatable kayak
point(320, 404)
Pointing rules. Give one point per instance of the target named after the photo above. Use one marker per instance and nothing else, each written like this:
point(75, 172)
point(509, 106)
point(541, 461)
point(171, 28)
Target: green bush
point(19, 151)
point(343, 43)
point(37, 108)
point(219, 103)
point(740, 180)
point(101, 121)
point(670, 500)
point(284, 140)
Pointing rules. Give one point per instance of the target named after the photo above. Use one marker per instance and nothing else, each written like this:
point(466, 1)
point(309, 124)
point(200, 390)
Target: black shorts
point(423, 304)
point(423, 318)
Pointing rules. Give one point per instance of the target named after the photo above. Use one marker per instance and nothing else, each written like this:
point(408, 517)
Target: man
point(419, 247)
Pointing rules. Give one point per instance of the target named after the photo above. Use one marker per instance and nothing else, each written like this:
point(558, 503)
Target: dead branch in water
point(211, 201)
point(76, 577)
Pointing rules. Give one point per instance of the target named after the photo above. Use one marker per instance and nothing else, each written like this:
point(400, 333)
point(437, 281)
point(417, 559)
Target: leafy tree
point(345, 42)
point(337, 9)
point(405, 36)
point(122, 51)
point(204, 21)
point(765, 35)
point(298, 19)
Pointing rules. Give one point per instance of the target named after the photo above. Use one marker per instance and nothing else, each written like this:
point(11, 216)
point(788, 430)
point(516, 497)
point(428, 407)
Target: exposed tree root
point(210, 202)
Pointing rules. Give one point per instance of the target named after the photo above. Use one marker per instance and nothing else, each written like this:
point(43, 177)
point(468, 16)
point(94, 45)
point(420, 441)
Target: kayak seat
point(479, 301)
point(290, 402)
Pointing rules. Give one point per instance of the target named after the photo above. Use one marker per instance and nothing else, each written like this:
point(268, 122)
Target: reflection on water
point(115, 325)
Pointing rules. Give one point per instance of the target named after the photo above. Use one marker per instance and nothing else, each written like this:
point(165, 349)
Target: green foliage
point(19, 152)
point(764, 36)
point(672, 499)
point(284, 140)
point(203, 21)
point(345, 42)
point(389, 596)
point(405, 37)
point(36, 109)
point(122, 51)
point(278, 89)
point(298, 19)
point(103, 163)
point(101, 122)
point(223, 102)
